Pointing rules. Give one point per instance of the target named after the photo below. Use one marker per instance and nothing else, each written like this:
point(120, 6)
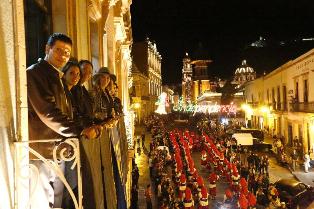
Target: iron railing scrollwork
point(64, 150)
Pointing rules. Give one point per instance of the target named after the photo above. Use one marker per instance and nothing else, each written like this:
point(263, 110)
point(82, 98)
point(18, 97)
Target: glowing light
point(208, 108)
point(248, 110)
point(162, 102)
point(136, 105)
point(129, 128)
point(312, 124)
point(265, 109)
point(224, 121)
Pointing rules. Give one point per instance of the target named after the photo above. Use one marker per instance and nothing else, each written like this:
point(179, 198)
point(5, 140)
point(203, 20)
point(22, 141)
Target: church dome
point(244, 68)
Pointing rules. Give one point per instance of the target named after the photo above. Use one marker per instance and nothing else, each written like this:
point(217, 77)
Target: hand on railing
point(92, 132)
point(111, 122)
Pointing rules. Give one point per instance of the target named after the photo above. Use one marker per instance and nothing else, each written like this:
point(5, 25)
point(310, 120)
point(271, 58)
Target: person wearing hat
point(203, 198)
point(188, 200)
point(103, 102)
point(182, 185)
point(213, 178)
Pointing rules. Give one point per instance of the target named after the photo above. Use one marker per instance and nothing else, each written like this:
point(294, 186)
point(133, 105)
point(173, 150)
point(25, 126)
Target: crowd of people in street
point(178, 184)
point(61, 106)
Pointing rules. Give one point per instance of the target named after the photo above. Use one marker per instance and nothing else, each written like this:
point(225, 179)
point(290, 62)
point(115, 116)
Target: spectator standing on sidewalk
point(306, 163)
point(294, 159)
point(143, 139)
point(148, 196)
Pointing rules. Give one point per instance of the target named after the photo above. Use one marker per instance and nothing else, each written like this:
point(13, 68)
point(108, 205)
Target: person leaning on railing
point(81, 97)
point(50, 116)
point(104, 112)
point(113, 90)
point(71, 77)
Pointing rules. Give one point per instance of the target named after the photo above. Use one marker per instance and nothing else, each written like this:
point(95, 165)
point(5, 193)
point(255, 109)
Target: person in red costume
point(243, 202)
point(228, 197)
point(252, 200)
point(243, 186)
point(182, 185)
point(188, 200)
point(200, 183)
point(212, 185)
point(203, 198)
point(235, 179)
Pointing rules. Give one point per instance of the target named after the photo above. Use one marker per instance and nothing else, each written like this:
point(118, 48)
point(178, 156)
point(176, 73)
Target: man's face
point(58, 54)
point(86, 72)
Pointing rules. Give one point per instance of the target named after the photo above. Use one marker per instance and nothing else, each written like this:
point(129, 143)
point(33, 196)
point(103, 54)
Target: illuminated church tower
point(187, 82)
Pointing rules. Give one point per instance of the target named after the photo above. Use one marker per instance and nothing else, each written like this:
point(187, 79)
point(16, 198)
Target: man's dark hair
point(81, 62)
point(58, 37)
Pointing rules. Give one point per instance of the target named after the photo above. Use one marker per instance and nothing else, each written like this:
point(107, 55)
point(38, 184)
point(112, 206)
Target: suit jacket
point(50, 112)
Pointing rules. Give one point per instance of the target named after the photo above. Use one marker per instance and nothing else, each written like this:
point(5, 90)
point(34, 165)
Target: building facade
point(140, 98)
point(197, 85)
point(148, 62)
point(101, 32)
point(187, 81)
point(282, 101)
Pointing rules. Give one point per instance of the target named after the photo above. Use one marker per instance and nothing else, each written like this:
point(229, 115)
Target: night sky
point(223, 31)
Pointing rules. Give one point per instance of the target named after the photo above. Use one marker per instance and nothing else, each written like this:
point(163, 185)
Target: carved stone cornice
point(112, 3)
point(119, 29)
point(94, 9)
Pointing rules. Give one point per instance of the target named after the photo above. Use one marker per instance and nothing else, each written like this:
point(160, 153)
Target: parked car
point(294, 193)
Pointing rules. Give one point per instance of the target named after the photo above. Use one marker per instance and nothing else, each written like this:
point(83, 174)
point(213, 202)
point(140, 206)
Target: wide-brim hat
point(102, 71)
point(113, 77)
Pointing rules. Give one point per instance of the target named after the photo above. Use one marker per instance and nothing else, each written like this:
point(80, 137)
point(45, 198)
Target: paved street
point(299, 173)
point(142, 162)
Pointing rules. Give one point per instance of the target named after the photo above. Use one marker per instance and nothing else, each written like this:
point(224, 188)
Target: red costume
point(212, 185)
point(228, 195)
point(203, 199)
point(188, 200)
point(243, 186)
point(182, 186)
point(243, 202)
point(235, 179)
point(200, 183)
point(251, 199)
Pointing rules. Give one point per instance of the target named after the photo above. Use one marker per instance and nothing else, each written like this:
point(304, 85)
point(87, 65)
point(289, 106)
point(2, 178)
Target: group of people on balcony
point(60, 107)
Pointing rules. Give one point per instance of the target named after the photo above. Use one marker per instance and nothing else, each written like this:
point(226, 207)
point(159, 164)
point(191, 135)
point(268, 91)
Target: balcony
point(102, 167)
point(307, 107)
point(253, 104)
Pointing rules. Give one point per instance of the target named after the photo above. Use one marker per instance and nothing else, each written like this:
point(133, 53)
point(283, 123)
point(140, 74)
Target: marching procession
point(241, 173)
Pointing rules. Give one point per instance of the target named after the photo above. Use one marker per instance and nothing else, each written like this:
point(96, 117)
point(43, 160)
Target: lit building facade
point(140, 94)
point(197, 86)
point(170, 98)
point(187, 82)
point(101, 32)
point(282, 101)
point(148, 62)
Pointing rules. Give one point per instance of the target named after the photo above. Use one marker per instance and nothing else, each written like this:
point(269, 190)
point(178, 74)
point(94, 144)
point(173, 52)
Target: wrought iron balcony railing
point(302, 107)
point(60, 153)
point(279, 106)
point(101, 165)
